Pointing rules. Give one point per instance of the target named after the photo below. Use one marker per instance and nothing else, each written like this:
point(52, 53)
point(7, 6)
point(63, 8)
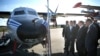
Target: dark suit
point(77, 27)
point(91, 40)
point(70, 36)
point(98, 27)
point(80, 43)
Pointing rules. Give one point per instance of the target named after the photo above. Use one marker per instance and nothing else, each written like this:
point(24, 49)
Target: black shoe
point(66, 53)
point(73, 54)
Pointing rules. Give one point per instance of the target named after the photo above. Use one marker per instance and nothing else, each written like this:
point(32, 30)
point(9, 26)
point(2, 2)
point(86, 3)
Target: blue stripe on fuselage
point(13, 23)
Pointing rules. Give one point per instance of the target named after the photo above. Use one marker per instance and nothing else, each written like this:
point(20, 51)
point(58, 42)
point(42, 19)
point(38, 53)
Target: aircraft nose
point(31, 31)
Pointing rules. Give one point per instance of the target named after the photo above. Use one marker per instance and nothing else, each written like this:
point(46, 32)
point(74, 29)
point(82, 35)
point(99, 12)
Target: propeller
point(53, 13)
point(50, 10)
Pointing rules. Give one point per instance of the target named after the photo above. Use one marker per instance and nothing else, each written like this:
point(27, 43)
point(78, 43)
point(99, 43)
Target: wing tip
point(77, 5)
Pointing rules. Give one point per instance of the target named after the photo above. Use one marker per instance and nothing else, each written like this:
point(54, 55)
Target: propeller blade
point(56, 8)
point(50, 10)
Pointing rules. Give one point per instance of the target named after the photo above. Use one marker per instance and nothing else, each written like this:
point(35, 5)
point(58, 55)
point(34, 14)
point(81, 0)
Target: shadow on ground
point(61, 54)
point(21, 53)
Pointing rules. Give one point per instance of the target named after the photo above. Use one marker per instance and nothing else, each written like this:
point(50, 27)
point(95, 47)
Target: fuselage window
point(19, 12)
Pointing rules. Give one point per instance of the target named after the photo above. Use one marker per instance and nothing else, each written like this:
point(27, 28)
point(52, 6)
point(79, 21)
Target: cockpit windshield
point(32, 12)
point(21, 12)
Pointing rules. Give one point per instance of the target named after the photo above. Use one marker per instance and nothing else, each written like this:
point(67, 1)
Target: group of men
point(86, 35)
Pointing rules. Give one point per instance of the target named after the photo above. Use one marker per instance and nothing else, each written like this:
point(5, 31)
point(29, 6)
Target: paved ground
point(57, 41)
point(57, 44)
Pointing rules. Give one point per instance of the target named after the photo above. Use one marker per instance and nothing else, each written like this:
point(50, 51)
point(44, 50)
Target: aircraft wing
point(74, 14)
point(60, 14)
point(45, 14)
point(86, 6)
point(90, 7)
point(70, 14)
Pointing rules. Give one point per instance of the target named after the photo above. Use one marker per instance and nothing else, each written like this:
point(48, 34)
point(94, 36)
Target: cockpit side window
point(19, 12)
point(32, 12)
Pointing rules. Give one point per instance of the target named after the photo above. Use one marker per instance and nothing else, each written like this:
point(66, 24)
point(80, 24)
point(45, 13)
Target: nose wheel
point(47, 51)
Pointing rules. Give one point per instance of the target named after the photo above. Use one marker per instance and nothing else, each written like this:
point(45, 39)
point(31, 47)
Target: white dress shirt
point(70, 28)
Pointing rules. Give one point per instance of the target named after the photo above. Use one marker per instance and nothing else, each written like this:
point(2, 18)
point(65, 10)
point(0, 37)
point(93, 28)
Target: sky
point(65, 6)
